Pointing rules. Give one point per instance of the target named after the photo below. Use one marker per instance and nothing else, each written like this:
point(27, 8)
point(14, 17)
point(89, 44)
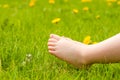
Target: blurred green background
point(25, 27)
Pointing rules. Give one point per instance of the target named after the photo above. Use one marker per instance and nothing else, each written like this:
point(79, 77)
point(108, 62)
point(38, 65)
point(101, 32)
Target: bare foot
point(68, 50)
point(72, 40)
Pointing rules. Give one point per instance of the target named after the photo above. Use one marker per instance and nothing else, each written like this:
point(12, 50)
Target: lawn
point(25, 27)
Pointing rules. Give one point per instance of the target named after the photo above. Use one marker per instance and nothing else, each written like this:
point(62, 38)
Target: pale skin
point(78, 54)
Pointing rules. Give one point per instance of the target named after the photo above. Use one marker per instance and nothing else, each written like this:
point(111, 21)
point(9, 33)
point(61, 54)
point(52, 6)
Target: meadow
point(25, 27)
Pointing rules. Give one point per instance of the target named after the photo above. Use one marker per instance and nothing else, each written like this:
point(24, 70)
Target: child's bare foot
point(79, 54)
point(66, 49)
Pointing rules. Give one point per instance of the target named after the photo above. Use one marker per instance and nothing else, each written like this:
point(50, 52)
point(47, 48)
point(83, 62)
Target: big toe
point(57, 37)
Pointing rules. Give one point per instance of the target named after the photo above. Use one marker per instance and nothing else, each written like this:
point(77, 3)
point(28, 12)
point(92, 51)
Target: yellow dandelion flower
point(98, 17)
point(109, 4)
point(94, 43)
point(5, 6)
point(65, 0)
point(87, 40)
point(75, 11)
point(56, 20)
point(85, 9)
point(32, 3)
point(118, 2)
point(52, 1)
point(111, 0)
point(84, 1)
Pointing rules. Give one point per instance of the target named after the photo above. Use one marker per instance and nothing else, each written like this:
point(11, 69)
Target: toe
point(52, 40)
point(51, 44)
point(55, 36)
point(52, 48)
point(52, 52)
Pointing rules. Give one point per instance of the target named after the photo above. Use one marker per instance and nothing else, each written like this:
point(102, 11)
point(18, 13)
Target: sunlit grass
point(25, 30)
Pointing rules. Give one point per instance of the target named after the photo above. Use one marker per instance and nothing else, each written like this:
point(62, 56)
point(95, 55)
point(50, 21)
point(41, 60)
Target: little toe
point(55, 36)
point(52, 52)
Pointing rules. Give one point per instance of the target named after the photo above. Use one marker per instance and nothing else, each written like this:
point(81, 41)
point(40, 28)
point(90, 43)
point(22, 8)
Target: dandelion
point(23, 63)
point(87, 40)
point(75, 11)
point(65, 0)
point(85, 9)
point(98, 17)
point(118, 2)
point(94, 42)
point(32, 3)
point(5, 6)
point(27, 59)
point(56, 20)
point(109, 4)
point(84, 1)
point(111, 0)
point(52, 1)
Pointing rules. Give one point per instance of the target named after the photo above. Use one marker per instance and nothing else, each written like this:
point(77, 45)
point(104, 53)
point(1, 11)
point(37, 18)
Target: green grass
point(25, 30)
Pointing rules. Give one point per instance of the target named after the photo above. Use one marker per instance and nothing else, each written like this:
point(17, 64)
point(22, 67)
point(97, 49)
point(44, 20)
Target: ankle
point(86, 53)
